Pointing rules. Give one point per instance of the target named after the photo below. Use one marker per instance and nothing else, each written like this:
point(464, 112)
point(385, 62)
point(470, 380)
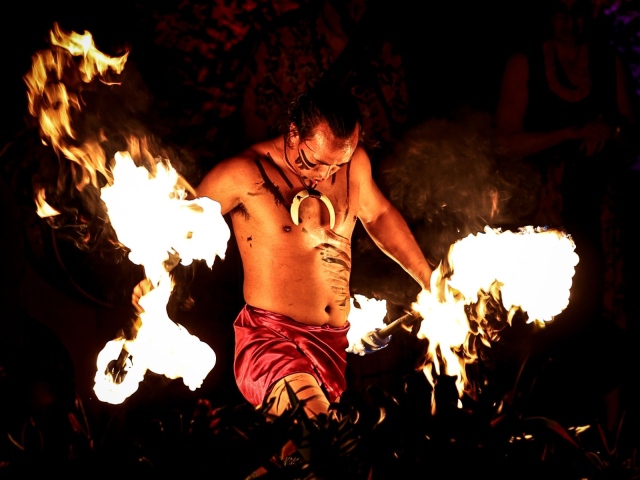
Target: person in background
point(294, 201)
point(565, 108)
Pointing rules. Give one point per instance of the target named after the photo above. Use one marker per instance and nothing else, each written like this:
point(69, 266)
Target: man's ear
point(293, 136)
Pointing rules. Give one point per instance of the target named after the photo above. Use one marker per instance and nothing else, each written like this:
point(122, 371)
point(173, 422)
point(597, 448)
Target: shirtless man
point(296, 263)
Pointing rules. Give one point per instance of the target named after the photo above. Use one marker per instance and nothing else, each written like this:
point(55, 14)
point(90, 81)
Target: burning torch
point(173, 230)
point(380, 337)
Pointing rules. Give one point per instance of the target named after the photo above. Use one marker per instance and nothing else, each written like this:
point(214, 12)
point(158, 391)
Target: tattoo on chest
point(337, 269)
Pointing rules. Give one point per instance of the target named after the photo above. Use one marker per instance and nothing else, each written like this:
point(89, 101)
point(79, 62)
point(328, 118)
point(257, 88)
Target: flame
point(106, 389)
point(54, 86)
point(534, 268)
point(166, 228)
point(529, 270)
point(147, 207)
point(43, 208)
point(161, 346)
point(154, 220)
point(366, 314)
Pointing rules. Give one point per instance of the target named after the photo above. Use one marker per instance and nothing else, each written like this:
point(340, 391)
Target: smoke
point(79, 116)
point(448, 180)
point(83, 119)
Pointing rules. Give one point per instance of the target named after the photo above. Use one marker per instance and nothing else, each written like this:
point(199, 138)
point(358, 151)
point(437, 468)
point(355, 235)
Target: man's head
point(323, 131)
point(325, 101)
point(570, 19)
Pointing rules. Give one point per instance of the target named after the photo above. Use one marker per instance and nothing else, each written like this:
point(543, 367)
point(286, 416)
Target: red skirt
point(270, 346)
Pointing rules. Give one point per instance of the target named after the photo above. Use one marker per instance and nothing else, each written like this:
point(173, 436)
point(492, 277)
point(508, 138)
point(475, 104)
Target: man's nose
point(325, 172)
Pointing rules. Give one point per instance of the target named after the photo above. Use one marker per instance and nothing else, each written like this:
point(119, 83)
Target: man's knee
point(306, 389)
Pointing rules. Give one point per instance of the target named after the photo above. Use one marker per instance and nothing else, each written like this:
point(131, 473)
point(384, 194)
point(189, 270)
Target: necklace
point(307, 192)
point(579, 78)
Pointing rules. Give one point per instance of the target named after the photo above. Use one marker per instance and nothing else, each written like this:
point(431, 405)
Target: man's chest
point(274, 206)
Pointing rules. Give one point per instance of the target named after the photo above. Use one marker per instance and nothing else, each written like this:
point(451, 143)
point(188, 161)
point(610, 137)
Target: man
point(293, 202)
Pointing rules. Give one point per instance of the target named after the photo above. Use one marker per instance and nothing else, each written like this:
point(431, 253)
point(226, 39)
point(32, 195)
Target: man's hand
point(373, 341)
point(595, 135)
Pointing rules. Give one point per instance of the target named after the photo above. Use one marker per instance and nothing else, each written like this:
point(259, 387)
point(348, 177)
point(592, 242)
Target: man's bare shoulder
point(236, 172)
point(360, 163)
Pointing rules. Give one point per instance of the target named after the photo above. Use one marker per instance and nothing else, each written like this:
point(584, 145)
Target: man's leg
point(306, 388)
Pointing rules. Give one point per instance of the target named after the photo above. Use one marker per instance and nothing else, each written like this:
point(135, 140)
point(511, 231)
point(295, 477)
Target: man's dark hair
point(326, 100)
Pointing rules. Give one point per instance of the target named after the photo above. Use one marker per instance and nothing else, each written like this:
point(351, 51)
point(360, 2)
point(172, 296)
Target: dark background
point(453, 51)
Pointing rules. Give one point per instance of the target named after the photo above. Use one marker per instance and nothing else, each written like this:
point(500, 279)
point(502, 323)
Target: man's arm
point(223, 183)
point(510, 112)
point(512, 105)
point(386, 226)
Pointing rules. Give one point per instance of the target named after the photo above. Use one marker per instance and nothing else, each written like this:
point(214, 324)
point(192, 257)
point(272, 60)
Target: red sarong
point(270, 346)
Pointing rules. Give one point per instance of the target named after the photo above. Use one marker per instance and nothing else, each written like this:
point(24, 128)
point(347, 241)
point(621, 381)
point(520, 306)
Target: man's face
point(322, 155)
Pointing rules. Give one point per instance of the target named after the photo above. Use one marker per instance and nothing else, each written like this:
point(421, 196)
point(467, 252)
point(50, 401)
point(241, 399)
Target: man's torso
point(303, 270)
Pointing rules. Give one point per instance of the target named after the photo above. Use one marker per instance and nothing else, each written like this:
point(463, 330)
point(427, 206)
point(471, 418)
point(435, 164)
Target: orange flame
point(168, 227)
point(54, 86)
point(529, 270)
point(161, 346)
point(43, 208)
point(148, 210)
